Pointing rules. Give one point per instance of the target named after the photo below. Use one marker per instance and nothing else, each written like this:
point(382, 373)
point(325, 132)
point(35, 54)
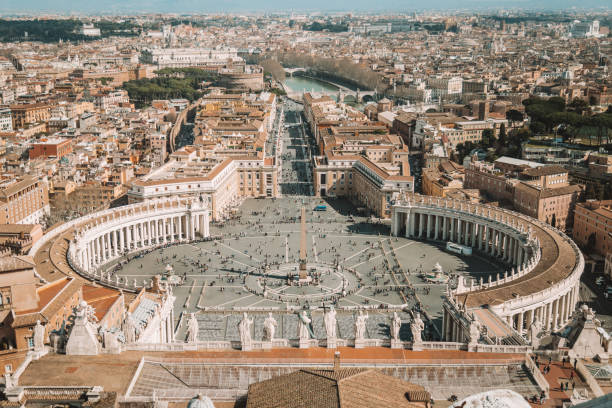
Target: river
point(302, 84)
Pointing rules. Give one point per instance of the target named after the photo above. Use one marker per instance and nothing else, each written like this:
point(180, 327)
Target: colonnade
point(513, 304)
point(139, 230)
point(552, 315)
point(494, 239)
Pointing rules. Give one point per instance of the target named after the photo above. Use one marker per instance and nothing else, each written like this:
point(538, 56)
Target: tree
point(580, 106)
point(488, 138)
point(514, 115)
point(273, 68)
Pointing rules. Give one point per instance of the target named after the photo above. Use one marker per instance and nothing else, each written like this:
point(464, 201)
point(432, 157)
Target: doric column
point(529, 317)
point(99, 242)
point(406, 224)
point(444, 228)
point(206, 219)
point(436, 235)
point(107, 250)
point(568, 301)
point(520, 322)
point(191, 226)
point(547, 320)
point(451, 220)
point(172, 229)
point(429, 225)
point(555, 316)
point(121, 239)
point(420, 225)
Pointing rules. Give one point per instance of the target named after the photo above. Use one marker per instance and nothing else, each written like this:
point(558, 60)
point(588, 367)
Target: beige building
point(593, 226)
point(23, 201)
point(542, 192)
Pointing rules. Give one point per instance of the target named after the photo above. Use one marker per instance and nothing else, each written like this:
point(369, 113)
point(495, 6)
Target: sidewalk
point(559, 374)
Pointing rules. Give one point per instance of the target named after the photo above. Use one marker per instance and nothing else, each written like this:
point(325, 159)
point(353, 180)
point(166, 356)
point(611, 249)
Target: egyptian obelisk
point(303, 246)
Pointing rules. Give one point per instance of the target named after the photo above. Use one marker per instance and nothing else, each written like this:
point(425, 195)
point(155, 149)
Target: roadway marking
point(314, 249)
point(378, 256)
point(235, 300)
point(286, 250)
point(372, 299)
point(241, 253)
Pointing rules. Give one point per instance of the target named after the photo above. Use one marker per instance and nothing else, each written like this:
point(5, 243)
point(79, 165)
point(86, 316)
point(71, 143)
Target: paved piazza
point(357, 263)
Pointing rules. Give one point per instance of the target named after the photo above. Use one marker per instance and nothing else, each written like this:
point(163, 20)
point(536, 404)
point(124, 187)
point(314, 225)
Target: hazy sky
point(206, 6)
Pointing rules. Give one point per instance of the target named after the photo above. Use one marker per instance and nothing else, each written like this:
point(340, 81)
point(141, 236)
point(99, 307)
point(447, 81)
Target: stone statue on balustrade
point(360, 325)
point(474, 332)
point(330, 322)
point(39, 336)
point(110, 340)
point(244, 327)
point(192, 329)
point(533, 332)
point(416, 327)
point(129, 328)
point(269, 327)
point(396, 325)
point(303, 326)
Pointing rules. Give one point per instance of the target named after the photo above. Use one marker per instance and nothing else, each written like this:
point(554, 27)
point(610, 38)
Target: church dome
point(200, 401)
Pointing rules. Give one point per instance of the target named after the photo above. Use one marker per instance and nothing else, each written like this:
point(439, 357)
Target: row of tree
point(341, 70)
point(49, 31)
point(568, 121)
point(171, 83)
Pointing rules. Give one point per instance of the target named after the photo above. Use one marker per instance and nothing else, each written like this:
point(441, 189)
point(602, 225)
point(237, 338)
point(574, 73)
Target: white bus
point(458, 249)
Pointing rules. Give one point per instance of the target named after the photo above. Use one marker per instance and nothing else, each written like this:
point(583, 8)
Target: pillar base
point(417, 346)
point(332, 343)
point(397, 344)
point(307, 343)
point(360, 343)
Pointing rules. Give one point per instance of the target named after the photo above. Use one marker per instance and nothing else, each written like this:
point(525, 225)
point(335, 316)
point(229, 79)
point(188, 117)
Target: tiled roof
point(343, 388)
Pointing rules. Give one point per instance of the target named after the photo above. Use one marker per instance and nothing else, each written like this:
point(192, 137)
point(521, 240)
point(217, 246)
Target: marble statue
point(532, 334)
point(416, 327)
point(244, 327)
point(269, 327)
point(303, 324)
point(474, 331)
point(330, 322)
point(129, 328)
point(39, 336)
point(360, 325)
point(396, 324)
point(110, 340)
point(192, 329)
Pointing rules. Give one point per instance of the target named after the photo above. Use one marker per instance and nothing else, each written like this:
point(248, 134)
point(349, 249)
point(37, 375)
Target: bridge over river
point(296, 86)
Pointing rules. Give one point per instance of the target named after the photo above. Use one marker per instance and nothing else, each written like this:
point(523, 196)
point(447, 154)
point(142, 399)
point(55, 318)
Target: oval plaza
point(534, 287)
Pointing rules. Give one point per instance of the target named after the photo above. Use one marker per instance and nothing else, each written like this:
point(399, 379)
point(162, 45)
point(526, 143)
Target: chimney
point(336, 360)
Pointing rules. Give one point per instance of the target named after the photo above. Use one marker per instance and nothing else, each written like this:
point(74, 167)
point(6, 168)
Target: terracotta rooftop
point(342, 388)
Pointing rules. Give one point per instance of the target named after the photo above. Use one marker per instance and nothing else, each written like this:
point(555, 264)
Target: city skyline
point(237, 6)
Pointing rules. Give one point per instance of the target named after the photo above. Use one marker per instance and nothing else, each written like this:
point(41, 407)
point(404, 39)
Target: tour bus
point(458, 249)
point(320, 207)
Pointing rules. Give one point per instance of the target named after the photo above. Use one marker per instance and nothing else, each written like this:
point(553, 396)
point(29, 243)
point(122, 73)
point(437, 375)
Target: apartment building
point(542, 192)
point(52, 147)
point(23, 201)
point(593, 226)
point(26, 114)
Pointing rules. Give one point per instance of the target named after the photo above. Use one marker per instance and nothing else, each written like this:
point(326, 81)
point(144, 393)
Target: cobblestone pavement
point(223, 273)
